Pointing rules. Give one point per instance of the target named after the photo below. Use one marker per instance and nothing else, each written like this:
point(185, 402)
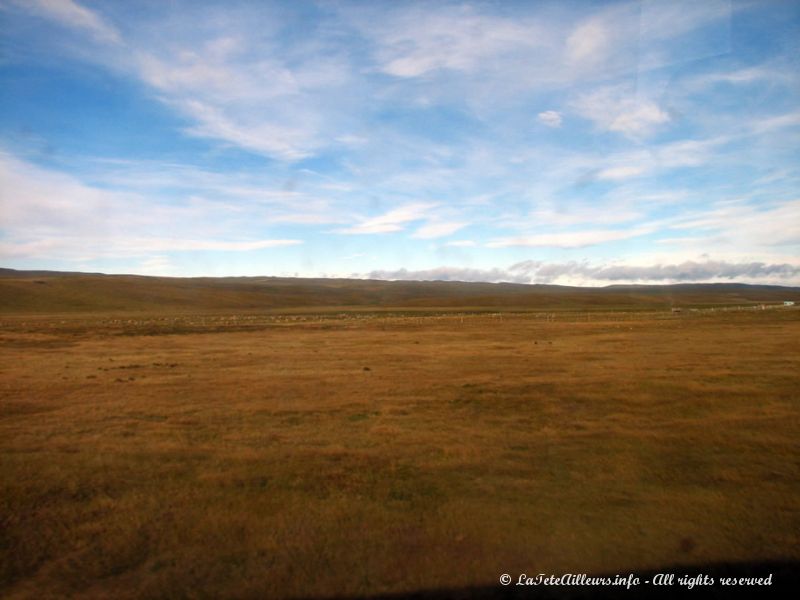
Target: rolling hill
point(47, 292)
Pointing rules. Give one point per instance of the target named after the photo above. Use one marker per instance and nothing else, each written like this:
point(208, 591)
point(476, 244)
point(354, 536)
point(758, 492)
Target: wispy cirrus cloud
point(744, 224)
point(233, 83)
point(254, 134)
point(391, 221)
point(72, 14)
point(657, 159)
point(254, 101)
point(620, 172)
point(571, 239)
point(414, 40)
point(437, 229)
point(53, 215)
point(116, 246)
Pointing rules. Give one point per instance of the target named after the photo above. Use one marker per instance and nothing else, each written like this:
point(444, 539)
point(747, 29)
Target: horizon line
point(46, 272)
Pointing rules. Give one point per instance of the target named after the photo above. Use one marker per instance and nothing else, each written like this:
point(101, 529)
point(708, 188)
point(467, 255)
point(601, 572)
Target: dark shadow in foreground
point(785, 576)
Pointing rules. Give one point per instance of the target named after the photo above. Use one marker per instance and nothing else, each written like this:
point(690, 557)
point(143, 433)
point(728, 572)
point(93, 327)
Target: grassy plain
point(351, 454)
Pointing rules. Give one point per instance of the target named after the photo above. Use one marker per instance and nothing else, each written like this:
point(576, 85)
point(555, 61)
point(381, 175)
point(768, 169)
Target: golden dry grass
point(215, 457)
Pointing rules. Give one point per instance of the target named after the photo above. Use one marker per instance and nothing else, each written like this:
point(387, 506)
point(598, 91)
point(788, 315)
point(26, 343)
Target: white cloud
point(352, 140)
point(258, 135)
point(437, 229)
point(589, 43)
point(572, 239)
point(636, 119)
point(394, 220)
point(156, 265)
point(549, 215)
point(217, 72)
point(448, 274)
point(618, 109)
point(227, 246)
point(687, 153)
point(768, 124)
point(72, 14)
point(739, 224)
point(587, 273)
point(415, 41)
point(47, 214)
point(551, 118)
point(654, 160)
point(622, 172)
point(234, 83)
point(688, 271)
point(748, 75)
point(261, 105)
point(67, 247)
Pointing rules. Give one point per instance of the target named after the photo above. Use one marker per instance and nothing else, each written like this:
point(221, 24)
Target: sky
point(576, 143)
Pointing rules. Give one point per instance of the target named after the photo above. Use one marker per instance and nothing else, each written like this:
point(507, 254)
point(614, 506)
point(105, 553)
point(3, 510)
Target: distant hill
point(56, 292)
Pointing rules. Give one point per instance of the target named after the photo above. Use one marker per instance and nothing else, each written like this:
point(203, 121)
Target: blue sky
point(584, 143)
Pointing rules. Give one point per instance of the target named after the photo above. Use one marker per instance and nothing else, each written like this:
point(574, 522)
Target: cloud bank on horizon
point(640, 141)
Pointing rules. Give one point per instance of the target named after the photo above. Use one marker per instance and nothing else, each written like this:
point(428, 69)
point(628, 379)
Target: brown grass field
point(350, 454)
